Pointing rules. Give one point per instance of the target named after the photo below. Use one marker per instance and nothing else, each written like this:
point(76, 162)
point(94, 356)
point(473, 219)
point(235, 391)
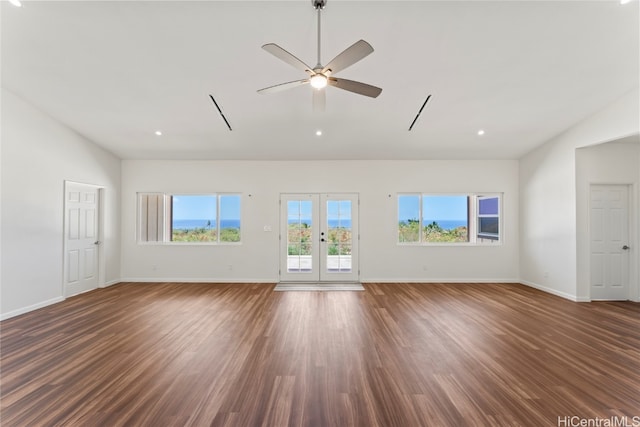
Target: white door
point(609, 238)
point(81, 238)
point(319, 238)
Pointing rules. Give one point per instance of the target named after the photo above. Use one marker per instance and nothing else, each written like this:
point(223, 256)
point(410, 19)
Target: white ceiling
point(116, 71)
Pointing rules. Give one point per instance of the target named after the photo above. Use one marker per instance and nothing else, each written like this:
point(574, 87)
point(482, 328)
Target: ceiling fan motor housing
point(319, 4)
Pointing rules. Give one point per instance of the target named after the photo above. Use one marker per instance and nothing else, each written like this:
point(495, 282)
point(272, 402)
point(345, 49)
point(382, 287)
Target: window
point(452, 219)
point(488, 218)
point(189, 218)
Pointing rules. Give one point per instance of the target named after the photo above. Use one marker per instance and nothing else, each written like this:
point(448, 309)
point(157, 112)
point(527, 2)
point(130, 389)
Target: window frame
point(167, 218)
point(473, 221)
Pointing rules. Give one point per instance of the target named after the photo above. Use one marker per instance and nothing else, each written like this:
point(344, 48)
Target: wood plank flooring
point(176, 354)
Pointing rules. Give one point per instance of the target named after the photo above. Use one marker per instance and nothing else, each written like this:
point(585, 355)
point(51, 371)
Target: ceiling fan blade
point(319, 100)
point(287, 57)
point(283, 86)
point(349, 56)
point(355, 87)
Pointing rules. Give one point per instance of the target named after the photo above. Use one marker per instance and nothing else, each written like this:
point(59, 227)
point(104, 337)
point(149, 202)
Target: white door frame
point(100, 235)
point(633, 293)
point(319, 245)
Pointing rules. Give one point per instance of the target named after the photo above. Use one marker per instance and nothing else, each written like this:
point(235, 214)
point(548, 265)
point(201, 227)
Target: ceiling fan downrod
point(319, 5)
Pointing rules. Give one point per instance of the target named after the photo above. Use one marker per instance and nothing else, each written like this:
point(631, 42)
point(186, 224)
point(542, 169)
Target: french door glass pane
point(299, 235)
point(339, 236)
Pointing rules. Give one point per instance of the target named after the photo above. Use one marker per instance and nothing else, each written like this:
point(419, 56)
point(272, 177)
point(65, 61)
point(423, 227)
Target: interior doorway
point(81, 238)
point(319, 237)
point(609, 242)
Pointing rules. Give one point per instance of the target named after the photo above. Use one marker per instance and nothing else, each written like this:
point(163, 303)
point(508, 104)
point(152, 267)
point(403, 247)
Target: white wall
point(548, 220)
point(377, 182)
point(38, 155)
point(610, 163)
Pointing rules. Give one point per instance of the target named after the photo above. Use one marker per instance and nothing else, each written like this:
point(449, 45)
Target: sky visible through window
point(193, 207)
point(434, 208)
point(452, 208)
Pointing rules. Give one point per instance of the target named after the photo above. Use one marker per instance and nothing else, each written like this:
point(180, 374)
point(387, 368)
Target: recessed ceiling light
point(621, 1)
point(318, 132)
point(16, 3)
point(158, 132)
point(480, 132)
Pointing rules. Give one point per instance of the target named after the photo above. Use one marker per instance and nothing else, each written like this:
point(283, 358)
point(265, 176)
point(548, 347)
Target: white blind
point(151, 208)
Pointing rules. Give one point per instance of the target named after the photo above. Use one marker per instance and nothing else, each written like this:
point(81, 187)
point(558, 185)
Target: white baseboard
point(27, 309)
point(432, 280)
point(553, 291)
point(111, 283)
point(194, 280)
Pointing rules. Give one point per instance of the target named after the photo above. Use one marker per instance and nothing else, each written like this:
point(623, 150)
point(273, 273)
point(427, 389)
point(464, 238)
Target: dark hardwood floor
point(400, 354)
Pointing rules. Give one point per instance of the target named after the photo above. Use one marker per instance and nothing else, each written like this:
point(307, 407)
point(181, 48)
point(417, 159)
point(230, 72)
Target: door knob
point(625, 247)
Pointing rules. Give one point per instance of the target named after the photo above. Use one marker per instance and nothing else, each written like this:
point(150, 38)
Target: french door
point(319, 237)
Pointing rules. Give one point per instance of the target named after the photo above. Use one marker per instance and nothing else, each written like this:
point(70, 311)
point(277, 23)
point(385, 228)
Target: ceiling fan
point(320, 76)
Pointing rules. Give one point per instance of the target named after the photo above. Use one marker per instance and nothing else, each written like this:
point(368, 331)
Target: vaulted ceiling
point(117, 71)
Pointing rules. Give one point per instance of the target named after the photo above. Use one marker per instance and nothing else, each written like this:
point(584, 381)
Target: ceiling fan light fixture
point(318, 81)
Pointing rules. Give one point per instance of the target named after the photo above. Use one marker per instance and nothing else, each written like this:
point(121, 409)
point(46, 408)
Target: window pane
point(488, 206)
point(488, 219)
point(445, 219)
point(339, 235)
point(489, 225)
point(193, 218)
point(299, 224)
point(294, 248)
point(409, 218)
point(230, 218)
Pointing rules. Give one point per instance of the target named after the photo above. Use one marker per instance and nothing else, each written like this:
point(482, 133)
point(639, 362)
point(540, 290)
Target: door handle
point(625, 247)
point(97, 242)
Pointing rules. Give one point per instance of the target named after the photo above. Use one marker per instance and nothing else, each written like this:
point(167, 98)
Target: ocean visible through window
point(448, 218)
point(189, 218)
